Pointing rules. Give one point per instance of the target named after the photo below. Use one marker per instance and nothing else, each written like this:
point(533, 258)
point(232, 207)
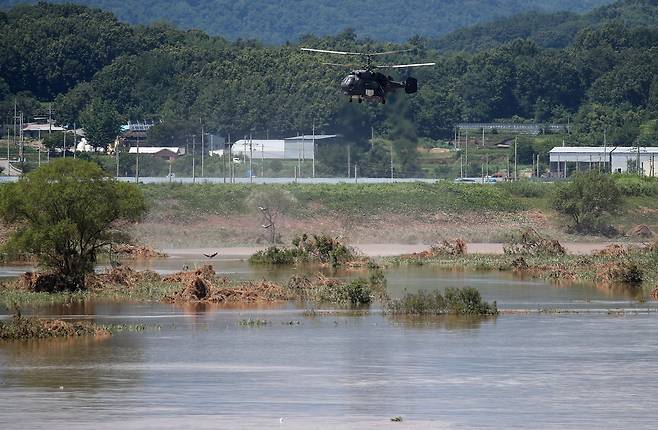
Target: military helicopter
point(369, 84)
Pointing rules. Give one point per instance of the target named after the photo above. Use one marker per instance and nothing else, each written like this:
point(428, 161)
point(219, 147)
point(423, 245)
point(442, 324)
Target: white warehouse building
point(292, 148)
point(617, 159)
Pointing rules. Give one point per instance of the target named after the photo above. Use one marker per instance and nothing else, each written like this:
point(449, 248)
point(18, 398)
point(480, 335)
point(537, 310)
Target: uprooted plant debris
point(447, 248)
point(529, 242)
point(202, 285)
point(128, 251)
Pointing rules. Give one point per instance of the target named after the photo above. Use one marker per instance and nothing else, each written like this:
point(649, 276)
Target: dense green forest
point(278, 21)
point(96, 70)
point(546, 29)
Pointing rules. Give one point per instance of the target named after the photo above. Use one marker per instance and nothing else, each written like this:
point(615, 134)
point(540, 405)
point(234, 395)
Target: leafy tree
point(101, 123)
point(587, 199)
point(54, 140)
point(67, 212)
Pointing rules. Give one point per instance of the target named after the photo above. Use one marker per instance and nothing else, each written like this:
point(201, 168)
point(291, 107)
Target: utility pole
point(203, 150)
point(516, 174)
point(137, 164)
point(461, 166)
point(193, 158)
point(639, 170)
point(356, 175)
point(63, 152)
point(116, 153)
point(251, 157)
point(349, 163)
point(538, 165)
point(262, 160)
point(509, 173)
point(8, 165)
point(391, 159)
point(75, 140)
point(466, 159)
point(483, 137)
point(314, 146)
point(15, 119)
point(22, 154)
point(605, 152)
point(230, 159)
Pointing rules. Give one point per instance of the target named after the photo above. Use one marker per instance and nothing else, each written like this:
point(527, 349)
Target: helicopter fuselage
point(368, 85)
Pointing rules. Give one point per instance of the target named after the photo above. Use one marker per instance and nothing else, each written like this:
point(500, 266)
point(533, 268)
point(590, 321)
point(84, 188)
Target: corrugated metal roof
point(155, 149)
point(601, 150)
point(311, 137)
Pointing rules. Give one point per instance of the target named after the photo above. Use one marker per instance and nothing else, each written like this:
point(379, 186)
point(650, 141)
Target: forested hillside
point(91, 65)
point(278, 21)
point(547, 29)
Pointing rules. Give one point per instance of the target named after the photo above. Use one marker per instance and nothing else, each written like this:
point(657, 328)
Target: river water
point(198, 367)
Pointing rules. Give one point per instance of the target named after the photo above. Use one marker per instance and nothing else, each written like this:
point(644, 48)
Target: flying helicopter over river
point(367, 83)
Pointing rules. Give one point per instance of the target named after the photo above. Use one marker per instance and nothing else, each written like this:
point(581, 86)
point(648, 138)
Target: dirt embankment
point(207, 231)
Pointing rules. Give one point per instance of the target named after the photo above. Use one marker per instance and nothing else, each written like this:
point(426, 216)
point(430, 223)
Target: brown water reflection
point(84, 363)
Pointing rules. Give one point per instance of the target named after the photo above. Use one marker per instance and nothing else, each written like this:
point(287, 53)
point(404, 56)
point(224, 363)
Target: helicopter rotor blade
point(389, 52)
point(404, 66)
point(326, 51)
point(347, 66)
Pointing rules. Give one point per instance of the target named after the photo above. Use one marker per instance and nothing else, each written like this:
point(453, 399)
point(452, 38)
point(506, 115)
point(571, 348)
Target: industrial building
point(292, 148)
point(617, 159)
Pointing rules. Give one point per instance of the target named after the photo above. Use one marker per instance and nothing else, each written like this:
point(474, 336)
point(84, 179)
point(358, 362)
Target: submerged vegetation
point(454, 301)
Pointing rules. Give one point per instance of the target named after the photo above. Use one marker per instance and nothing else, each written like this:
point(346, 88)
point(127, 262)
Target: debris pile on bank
point(530, 243)
point(134, 252)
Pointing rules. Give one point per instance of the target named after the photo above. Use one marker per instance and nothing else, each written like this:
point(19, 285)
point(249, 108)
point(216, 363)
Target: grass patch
point(20, 328)
point(454, 301)
point(347, 199)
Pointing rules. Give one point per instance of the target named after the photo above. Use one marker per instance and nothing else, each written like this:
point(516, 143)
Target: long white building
point(292, 148)
point(617, 159)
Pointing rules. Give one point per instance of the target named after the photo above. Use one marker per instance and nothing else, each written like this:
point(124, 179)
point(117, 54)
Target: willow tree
point(66, 213)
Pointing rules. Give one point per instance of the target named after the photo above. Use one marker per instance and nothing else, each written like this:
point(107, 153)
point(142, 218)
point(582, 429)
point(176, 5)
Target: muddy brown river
point(198, 367)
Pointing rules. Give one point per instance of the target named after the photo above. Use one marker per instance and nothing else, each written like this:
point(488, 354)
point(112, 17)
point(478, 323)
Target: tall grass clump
point(528, 189)
point(631, 185)
point(454, 301)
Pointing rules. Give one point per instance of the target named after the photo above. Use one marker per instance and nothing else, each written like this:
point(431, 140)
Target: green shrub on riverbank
point(321, 248)
point(454, 301)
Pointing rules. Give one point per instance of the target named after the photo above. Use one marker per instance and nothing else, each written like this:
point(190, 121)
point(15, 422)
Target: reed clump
point(454, 301)
point(23, 328)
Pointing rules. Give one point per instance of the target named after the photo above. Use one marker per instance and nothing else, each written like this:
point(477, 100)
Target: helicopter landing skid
point(360, 99)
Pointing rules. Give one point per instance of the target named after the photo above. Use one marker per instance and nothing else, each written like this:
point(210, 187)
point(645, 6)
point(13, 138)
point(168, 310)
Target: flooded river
point(198, 367)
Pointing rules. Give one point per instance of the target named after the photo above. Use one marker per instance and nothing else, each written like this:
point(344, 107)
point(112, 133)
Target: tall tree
point(101, 123)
